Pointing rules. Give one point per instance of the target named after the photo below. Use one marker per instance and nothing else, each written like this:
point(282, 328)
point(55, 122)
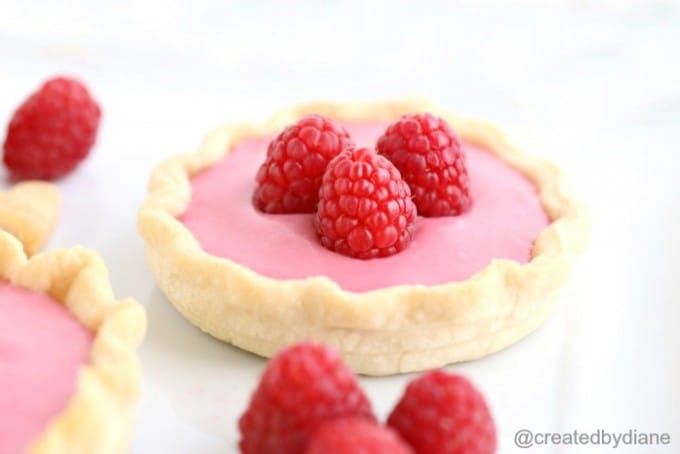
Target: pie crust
point(29, 211)
point(387, 331)
point(98, 417)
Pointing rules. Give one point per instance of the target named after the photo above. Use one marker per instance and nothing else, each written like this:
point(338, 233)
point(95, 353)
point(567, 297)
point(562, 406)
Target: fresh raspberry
point(302, 387)
point(445, 414)
point(365, 208)
point(356, 435)
point(428, 154)
point(52, 131)
point(289, 179)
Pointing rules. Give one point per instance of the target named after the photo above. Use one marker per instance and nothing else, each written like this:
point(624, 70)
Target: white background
point(594, 86)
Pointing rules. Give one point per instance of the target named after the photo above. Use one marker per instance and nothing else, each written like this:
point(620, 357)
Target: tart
point(466, 287)
point(67, 351)
point(29, 211)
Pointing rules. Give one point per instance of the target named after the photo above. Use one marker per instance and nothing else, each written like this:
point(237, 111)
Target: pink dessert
point(41, 350)
point(505, 218)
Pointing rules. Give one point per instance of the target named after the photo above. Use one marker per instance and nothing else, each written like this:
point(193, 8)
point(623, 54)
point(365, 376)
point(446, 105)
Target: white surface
point(594, 86)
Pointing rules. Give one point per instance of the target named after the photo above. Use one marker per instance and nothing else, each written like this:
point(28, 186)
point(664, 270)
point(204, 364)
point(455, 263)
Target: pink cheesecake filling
point(505, 218)
point(41, 349)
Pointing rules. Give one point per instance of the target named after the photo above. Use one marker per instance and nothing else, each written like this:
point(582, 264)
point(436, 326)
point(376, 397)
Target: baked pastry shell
point(99, 415)
point(29, 211)
point(387, 331)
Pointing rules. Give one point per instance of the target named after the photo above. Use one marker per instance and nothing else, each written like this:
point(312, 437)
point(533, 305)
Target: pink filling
point(41, 349)
point(504, 220)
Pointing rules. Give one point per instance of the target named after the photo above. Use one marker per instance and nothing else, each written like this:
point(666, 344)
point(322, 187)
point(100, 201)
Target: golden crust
point(98, 417)
point(29, 212)
point(393, 330)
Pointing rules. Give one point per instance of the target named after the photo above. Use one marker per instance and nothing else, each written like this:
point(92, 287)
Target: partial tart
point(262, 281)
point(29, 211)
point(67, 350)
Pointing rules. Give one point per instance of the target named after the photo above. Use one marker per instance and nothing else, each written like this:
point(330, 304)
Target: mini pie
point(67, 351)
point(465, 287)
point(29, 211)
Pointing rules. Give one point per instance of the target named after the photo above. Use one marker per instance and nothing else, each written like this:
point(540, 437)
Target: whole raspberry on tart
point(428, 154)
point(466, 286)
point(74, 381)
point(444, 413)
point(303, 387)
point(52, 131)
point(365, 209)
point(289, 179)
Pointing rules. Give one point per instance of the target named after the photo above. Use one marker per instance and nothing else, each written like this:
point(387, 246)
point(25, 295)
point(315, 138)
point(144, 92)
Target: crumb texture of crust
point(29, 211)
point(99, 415)
point(394, 330)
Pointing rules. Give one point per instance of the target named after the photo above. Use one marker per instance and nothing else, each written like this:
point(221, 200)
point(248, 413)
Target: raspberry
point(445, 414)
point(427, 152)
point(52, 131)
point(356, 435)
point(289, 179)
point(365, 208)
point(302, 387)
